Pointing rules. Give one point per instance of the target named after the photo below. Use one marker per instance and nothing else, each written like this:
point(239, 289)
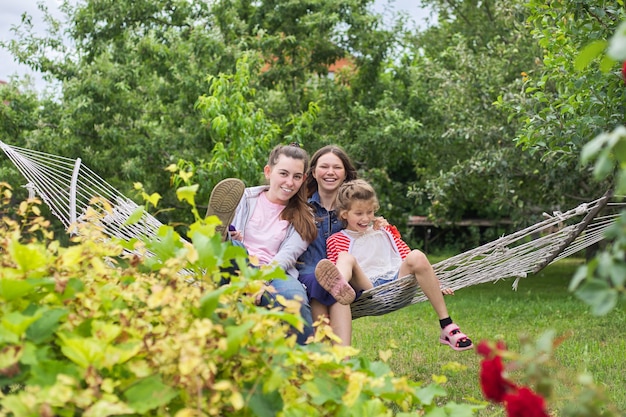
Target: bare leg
point(417, 264)
point(318, 310)
point(341, 322)
point(352, 272)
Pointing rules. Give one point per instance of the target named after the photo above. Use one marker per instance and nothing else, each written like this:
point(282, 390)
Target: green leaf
point(427, 394)
point(17, 323)
point(291, 319)
point(379, 369)
point(619, 150)
point(265, 404)
point(323, 390)
point(604, 165)
point(461, 410)
point(82, 351)
point(618, 275)
point(210, 301)
point(165, 246)
point(46, 325)
point(148, 394)
point(370, 408)
point(606, 64)
point(599, 296)
point(11, 289)
point(589, 53)
point(592, 148)
point(135, 216)
point(121, 353)
point(579, 276)
point(44, 373)
point(206, 248)
point(620, 183)
point(435, 412)
point(608, 303)
point(235, 335)
point(105, 331)
point(275, 380)
point(10, 355)
point(545, 342)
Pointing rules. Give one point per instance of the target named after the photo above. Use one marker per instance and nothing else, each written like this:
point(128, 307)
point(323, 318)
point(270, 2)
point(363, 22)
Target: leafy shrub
point(96, 329)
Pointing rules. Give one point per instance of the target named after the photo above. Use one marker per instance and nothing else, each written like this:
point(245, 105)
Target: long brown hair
point(297, 211)
point(348, 166)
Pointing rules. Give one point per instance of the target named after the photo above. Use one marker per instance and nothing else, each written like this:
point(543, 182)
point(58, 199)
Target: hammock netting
point(75, 194)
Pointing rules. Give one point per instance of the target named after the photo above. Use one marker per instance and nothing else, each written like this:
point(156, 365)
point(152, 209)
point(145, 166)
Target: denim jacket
point(327, 223)
point(290, 249)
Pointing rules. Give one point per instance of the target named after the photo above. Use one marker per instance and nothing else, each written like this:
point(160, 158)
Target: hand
point(447, 291)
point(259, 295)
point(380, 223)
point(236, 235)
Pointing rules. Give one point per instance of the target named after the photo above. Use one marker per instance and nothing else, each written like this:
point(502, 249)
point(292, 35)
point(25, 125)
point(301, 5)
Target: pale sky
point(12, 10)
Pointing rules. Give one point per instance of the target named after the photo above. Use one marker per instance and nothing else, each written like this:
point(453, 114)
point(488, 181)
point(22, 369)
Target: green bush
point(95, 329)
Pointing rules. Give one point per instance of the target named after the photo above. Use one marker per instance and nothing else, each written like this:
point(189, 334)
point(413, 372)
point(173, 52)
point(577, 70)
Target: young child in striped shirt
point(370, 252)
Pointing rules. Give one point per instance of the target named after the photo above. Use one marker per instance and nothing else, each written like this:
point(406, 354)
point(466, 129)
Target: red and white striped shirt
point(376, 251)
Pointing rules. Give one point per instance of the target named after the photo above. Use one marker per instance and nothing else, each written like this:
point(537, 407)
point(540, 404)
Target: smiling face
point(285, 179)
point(359, 215)
point(329, 172)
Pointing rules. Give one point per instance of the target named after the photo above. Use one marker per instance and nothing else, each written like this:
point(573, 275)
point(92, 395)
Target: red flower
point(485, 348)
point(493, 384)
point(525, 403)
point(624, 71)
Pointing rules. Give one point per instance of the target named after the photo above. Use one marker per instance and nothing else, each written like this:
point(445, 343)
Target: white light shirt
point(375, 252)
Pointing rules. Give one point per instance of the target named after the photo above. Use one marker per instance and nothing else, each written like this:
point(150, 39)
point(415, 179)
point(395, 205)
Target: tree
point(562, 105)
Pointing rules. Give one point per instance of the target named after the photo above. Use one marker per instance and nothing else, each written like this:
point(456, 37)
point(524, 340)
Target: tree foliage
point(478, 115)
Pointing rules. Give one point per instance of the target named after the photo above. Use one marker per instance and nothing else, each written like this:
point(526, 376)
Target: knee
point(291, 289)
point(346, 258)
point(417, 261)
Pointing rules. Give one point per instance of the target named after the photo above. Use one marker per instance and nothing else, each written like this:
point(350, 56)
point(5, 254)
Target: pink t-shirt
point(265, 230)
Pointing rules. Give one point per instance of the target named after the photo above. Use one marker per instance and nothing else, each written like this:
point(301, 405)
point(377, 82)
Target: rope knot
point(581, 209)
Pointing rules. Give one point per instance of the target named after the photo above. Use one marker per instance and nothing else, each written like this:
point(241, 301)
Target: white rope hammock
point(512, 256)
point(76, 194)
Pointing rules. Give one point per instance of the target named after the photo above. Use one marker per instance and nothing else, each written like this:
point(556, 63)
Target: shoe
point(329, 277)
point(223, 202)
point(452, 336)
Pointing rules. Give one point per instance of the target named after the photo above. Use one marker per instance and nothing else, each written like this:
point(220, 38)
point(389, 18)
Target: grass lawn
point(494, 311)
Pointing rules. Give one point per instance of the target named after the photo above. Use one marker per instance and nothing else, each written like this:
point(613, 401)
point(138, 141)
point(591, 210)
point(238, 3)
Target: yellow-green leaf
point(154, 199)
point(135, 216)
point(29, 257)
point(83, 352)
point(589, 53)
point(12, 289)
point(187, 193)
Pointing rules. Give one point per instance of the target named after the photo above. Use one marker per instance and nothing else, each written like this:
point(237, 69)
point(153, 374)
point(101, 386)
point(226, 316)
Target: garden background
point(484, 114)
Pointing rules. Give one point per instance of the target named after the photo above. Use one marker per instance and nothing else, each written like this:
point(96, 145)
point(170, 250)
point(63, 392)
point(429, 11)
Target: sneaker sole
point(329, 277)
point(223, 202)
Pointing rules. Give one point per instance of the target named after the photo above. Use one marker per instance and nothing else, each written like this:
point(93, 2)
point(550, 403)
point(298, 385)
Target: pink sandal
point(329, 277)
point(452, 336)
